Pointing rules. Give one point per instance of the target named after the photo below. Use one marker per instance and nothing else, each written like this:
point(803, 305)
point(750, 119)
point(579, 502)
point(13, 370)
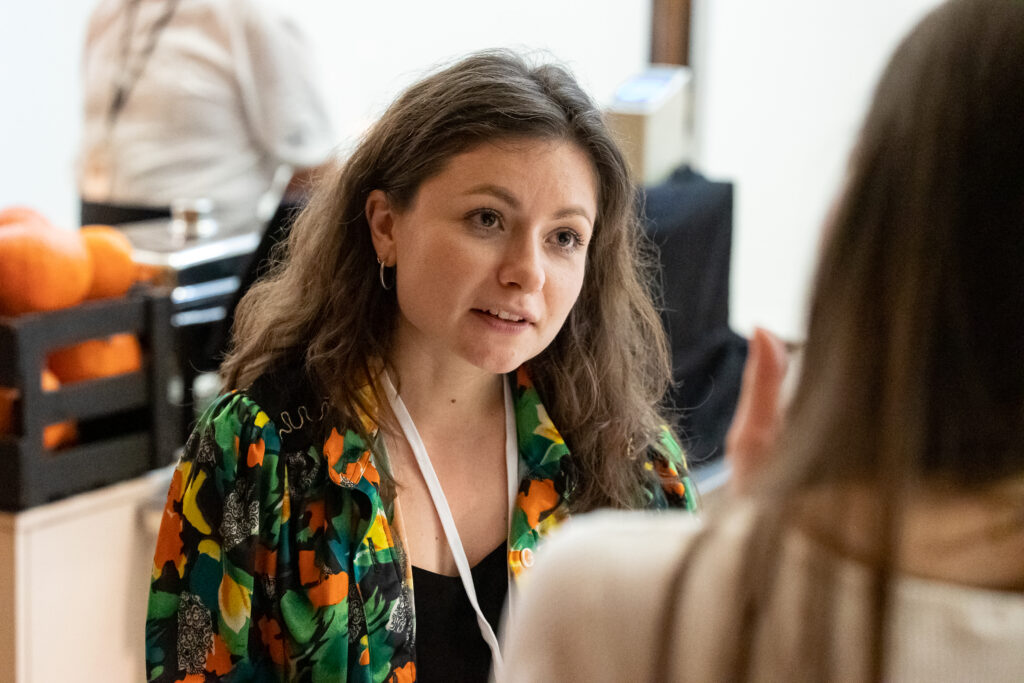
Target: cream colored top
point(593, 606)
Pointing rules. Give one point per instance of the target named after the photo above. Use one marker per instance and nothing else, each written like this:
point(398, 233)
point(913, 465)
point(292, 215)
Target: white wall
point(39, 62)
point(367, 51)
point(371, 50)
point(781, 88)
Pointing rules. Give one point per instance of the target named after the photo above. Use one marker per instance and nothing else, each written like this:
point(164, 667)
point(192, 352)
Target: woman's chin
point(498, 363)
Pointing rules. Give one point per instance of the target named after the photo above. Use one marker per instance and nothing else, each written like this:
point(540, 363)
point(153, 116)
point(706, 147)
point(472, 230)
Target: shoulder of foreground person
point(590, 608)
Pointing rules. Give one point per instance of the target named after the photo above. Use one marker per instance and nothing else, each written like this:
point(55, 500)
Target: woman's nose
point(523, 265)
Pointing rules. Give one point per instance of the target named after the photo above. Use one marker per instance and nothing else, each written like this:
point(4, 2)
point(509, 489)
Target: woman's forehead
point(518, 174)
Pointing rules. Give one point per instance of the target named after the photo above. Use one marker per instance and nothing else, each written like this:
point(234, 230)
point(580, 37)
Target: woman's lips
point(503, 320)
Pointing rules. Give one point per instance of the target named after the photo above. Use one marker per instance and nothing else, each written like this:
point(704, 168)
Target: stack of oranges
point(46, 268)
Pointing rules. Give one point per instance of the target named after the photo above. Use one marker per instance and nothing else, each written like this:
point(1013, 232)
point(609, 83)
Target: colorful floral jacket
point(278, 559)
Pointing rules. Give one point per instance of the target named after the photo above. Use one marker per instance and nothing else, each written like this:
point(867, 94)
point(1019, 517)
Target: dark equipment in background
point(689, 218)
point(258, 265)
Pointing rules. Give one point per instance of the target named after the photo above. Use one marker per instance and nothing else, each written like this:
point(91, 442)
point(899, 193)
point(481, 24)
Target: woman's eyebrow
point(506, 196)
point(574, 210)
point(496, 191)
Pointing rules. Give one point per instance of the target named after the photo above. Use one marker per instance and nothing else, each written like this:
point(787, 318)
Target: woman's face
point(490, 255)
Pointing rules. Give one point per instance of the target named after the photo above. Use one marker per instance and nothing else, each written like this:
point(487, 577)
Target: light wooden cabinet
point(74, 580)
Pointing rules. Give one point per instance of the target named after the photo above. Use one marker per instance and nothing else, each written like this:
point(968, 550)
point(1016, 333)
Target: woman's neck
point(442, 397)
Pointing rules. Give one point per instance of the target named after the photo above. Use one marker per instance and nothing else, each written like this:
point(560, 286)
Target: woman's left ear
point(381, 217)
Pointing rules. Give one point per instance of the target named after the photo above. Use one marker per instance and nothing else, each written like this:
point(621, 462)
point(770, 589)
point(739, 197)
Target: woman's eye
point(568, 239)
point(487, 218)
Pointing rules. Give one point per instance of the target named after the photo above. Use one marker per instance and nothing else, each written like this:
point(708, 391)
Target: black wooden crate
point(127, 423)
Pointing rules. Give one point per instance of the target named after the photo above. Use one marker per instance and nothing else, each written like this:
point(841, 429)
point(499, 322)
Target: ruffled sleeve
point(210, 610)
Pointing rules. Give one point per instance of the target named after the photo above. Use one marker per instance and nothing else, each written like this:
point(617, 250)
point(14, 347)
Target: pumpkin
point(42, 268)
point(55, 435)
point(113, 270)
point(23, 214)
point(95, 358)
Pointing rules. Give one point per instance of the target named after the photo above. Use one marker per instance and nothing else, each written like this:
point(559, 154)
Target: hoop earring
point(381, 274)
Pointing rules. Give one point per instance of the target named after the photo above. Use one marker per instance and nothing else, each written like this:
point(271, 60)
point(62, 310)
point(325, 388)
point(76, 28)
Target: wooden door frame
point(670, 32)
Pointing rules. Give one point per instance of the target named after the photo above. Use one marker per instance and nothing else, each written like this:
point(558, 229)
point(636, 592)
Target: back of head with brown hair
point(912, 373)
point(913, 345)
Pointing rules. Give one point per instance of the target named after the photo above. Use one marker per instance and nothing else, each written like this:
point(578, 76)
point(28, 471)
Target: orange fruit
point(23, 214)
point(49, 381)
point(60, 433)
point(113, 270)
point(95, 358)
point(7, 398)
point(149, 273)
point(42, 268)
point(55, 435)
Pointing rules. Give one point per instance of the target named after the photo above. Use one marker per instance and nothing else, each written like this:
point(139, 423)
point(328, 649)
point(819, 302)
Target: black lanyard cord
point(129, 73)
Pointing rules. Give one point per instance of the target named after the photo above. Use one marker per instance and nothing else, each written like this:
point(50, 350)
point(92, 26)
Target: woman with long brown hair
point(883, 536)
point(471, 277)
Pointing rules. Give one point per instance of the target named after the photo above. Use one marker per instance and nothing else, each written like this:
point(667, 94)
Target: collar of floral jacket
point(547, 478)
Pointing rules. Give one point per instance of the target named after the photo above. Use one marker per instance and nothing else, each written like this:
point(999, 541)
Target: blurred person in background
point(190, 99)
point(881, 535)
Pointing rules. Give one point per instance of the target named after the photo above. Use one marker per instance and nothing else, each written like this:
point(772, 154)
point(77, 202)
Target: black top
point(449, 646)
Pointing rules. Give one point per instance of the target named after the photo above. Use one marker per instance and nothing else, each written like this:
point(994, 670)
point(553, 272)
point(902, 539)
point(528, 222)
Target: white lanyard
point(444, 512)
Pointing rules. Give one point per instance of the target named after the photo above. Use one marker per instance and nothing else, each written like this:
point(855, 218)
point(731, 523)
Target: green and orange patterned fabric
point(278, 557)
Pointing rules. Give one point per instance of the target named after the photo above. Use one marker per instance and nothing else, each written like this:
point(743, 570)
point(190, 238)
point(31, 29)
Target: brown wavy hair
point(913, 358)
point(912, 373)
point(602, 377)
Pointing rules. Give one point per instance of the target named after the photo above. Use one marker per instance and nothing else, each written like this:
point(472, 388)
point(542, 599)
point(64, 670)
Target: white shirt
point(226, 98)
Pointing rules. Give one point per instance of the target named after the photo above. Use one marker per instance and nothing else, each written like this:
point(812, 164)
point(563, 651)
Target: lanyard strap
point(129, 72)
point(441, 502)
